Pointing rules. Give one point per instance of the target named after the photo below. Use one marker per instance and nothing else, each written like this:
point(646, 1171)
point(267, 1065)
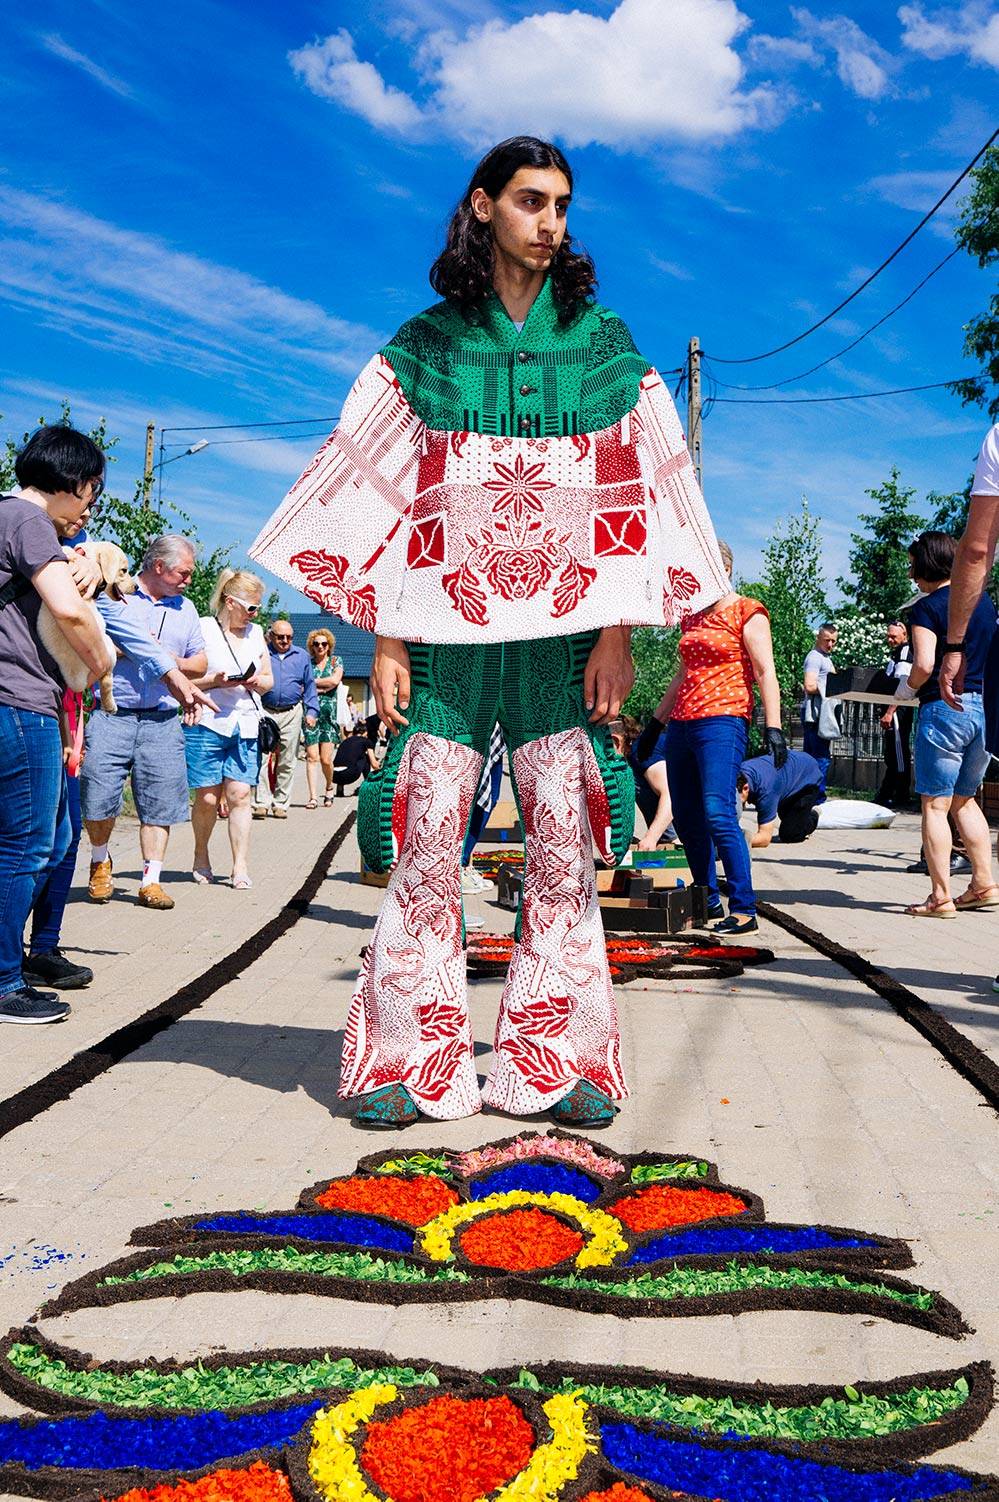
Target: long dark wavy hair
point(463, 272)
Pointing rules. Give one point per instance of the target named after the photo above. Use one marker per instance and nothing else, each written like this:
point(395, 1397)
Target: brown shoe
point(153, 895)
point(100, 887)
point(259, 811)
point(279, 813)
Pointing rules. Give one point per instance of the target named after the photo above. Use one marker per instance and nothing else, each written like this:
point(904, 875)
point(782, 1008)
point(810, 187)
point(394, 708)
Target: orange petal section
point(520, 1241)
point(414, 1201)
point(662, 1205)
point(258, 1483)
point(448, 1450)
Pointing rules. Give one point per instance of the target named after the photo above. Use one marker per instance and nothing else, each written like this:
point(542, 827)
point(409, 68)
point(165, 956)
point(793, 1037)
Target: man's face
point(281, 635)
point(826, 641)
point(744, 795)
point(895, 635)
point(173, 579)
point(529, 216)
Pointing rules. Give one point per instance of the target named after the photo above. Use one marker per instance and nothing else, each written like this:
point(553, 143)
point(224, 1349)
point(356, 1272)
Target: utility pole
point(694, 403)
point(147, 473)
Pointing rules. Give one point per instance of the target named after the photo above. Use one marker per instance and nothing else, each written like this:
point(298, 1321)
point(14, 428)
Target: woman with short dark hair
point(61, 475)
point(950, 754)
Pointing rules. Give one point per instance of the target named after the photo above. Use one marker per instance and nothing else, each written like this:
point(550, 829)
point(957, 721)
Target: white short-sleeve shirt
point(986, 481)
point(232, 654)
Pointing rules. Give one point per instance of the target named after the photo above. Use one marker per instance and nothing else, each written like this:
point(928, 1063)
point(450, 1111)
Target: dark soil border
point(24, 1105)
point(960, 1053)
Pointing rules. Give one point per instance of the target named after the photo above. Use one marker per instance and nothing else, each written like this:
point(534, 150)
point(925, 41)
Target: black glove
point(776, 746)
point(645, 744)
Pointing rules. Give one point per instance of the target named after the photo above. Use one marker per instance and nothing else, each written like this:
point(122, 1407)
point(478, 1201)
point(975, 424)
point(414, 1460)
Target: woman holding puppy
point(61, 475)
point(222, 754)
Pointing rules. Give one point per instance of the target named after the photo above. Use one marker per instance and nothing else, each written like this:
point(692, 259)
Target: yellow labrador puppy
point(118, 583)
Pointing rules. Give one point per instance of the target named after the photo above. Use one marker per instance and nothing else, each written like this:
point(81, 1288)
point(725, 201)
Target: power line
point(789, 380)
point(219, 427)
point(858, 396)
point(752, 359)
point(218, 443)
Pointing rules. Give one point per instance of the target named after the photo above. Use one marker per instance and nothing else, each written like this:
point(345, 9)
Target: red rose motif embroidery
point(333, 587)
point(518, 573)
point(682, 586)
point(574, 580)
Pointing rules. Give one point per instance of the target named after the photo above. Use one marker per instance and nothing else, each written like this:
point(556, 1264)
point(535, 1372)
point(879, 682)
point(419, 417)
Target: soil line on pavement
point(961, 1054)
point(85, 1066)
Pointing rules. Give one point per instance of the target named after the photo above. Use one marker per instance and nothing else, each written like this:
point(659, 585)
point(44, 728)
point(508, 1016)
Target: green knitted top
point(482, 375)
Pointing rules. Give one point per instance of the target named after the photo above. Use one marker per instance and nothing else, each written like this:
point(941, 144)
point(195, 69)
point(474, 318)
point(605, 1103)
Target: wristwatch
point(954, 646)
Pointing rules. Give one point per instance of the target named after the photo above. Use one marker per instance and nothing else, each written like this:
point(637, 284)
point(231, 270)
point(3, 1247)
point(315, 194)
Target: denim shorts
point(211, 757)
point(950, 756)
point(148, 744)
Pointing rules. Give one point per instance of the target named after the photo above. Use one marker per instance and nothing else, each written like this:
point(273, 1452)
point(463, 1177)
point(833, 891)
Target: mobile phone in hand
point(240, 677)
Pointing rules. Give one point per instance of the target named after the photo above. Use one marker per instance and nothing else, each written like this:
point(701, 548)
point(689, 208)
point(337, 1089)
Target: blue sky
point(213, 213)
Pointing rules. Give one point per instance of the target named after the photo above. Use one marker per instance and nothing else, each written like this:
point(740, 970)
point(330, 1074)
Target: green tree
point(656, 658)
point(792, 588)
point(879, 582)
point(978, 233)
point(133, 524)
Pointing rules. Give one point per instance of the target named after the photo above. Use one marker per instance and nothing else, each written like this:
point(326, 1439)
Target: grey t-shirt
point(29, 677)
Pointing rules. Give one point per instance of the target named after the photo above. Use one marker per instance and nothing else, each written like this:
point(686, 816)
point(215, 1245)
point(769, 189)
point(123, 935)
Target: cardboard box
point(504, 826)
point(371, 878)
point(862, 686)
point(508, 888)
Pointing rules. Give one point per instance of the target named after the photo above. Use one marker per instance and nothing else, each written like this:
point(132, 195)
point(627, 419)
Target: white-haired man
point(293, 697)
point(145, 739)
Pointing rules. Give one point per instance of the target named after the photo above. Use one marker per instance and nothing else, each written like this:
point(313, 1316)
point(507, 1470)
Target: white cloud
point(332, 69)
point(781, 52)
point(626, 79)
point(972, 29)
point(862, 64)
point(918, 191)
point(671, 268)
point(53, 42)
point(132, 292)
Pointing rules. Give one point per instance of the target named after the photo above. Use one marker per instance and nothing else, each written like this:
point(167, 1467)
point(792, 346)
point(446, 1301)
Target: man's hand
point(191, 700)
point(951, 679)
point(311, 722)
point(609, 674)
point(390, 681)
point(887, 718)
point(84, 572)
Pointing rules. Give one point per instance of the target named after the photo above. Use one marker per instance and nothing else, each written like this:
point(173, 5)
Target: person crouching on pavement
point(788, 794)
point(223, 758)
point(292, 702)
point(144, 739)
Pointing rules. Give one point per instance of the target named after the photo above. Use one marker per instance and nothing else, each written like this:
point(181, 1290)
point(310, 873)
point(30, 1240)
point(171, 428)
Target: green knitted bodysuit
point(543, 381)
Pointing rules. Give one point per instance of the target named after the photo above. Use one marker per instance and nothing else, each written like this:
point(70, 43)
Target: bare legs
point(204, 816)
point(937, 842)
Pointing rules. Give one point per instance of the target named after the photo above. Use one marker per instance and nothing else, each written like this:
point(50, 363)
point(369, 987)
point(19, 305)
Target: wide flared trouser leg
point(558, 1020)
point(408, 1019)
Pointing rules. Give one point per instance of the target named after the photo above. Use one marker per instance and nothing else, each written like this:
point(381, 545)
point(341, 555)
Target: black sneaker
point(716, 910)
point(30, 1006)
point(51, 968)
point(734, 926)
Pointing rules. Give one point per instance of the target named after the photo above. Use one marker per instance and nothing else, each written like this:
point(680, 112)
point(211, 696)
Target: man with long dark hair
point(507, 493)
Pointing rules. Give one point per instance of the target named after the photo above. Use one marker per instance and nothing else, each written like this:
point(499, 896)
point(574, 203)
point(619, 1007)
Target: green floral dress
point(327, 727)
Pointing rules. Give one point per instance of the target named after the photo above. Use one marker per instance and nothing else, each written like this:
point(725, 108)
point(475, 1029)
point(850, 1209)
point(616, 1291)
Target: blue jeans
point(702, 763)
point(33, 837)
point(814, 745)
point(53, 889)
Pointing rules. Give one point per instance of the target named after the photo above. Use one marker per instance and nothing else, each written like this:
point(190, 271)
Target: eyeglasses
point(275, 637)
point(247, 606)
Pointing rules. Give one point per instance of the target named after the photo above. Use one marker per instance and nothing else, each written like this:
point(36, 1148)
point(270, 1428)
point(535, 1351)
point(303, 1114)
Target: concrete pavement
point(795, 1078)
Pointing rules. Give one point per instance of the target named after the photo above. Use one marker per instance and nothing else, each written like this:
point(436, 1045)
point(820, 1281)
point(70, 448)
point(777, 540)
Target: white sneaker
point(472, 882)
point(473, 920)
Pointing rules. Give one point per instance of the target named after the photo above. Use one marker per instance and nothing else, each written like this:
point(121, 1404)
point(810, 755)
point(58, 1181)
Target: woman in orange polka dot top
point(724, 650)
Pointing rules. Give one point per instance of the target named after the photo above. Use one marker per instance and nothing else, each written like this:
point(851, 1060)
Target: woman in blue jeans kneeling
point(950, 756)
point(724, 650)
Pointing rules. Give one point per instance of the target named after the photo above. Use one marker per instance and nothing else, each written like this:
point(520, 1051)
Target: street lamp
point(195, 448)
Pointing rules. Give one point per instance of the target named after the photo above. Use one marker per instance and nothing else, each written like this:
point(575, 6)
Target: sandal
point(327, 800)
point(386, 1109)
point(312, 803)
point(584, 1106)
point(203, 875)
point(241, 883)
point(931, 908)
point(983, 897)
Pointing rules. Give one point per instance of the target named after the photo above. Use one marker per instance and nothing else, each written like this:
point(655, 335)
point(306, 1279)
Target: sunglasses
point(247, 606)
point(275, 637)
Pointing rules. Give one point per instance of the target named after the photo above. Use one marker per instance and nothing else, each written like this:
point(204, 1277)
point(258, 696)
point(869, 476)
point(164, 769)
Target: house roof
point(356, 647)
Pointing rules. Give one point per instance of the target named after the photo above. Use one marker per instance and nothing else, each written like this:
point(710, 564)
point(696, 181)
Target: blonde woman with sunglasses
point(322, 738)
point(222, 755)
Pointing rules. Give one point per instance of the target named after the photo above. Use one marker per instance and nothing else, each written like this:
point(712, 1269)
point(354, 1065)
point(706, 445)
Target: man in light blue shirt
point(144, 739)
point(294, 694)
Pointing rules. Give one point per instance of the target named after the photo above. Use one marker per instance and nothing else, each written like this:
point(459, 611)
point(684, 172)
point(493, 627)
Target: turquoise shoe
point(387, 1109)
point(584, 1106)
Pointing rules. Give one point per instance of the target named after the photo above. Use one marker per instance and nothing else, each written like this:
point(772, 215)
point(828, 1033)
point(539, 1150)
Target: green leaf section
point(695, 1282)
point(355, 1265)
point(654, 1173)
point(850, 1417)
point(423, 1163)
point(198, 1386)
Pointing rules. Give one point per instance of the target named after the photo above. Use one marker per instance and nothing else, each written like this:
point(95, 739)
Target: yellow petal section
point(605, 1239)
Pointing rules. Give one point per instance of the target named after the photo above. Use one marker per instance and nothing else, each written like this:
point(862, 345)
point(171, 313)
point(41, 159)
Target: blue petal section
point(351, 1230)
point(171, 1442)
point(757, 1476)
point(539, 1178)
point(728, 1239)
